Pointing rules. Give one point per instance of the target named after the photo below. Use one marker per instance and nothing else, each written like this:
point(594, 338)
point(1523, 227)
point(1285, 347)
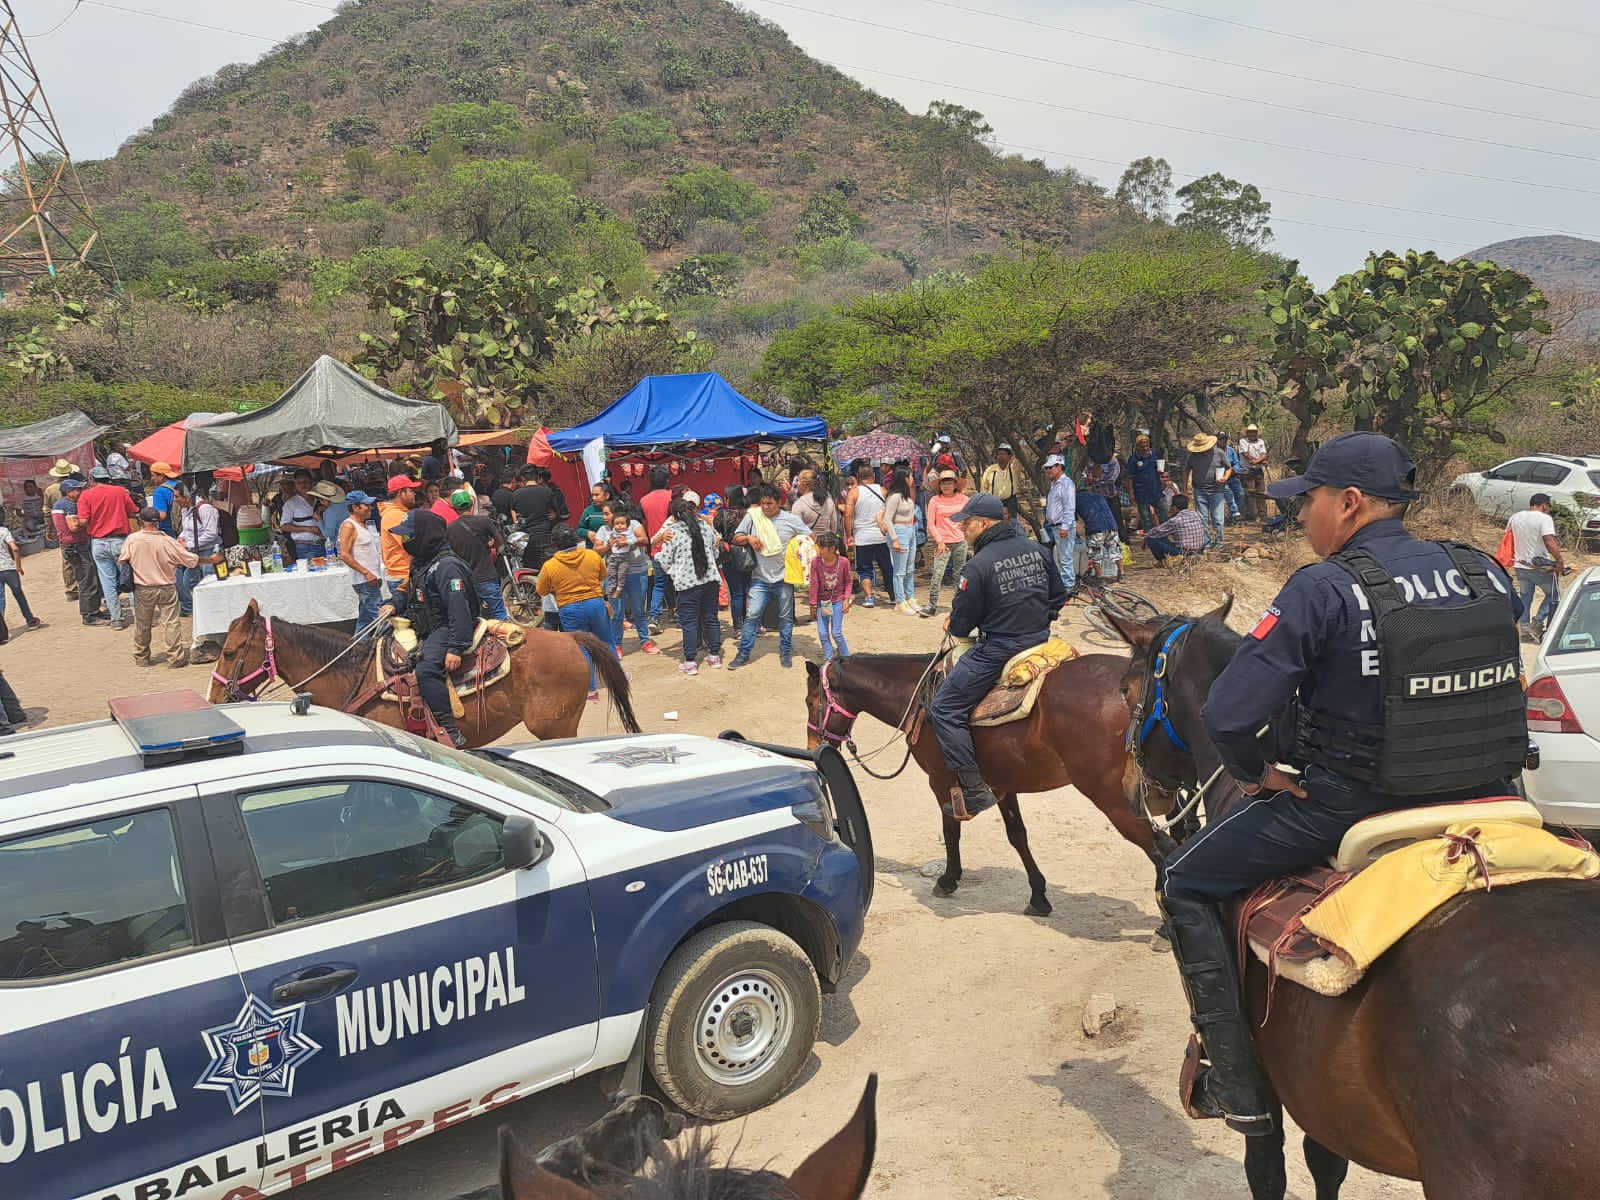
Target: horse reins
point(250, 688)
point(843, 738)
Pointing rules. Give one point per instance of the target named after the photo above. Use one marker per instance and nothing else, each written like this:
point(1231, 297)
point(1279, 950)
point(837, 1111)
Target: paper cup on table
point(255, 566)
point(1161, 464)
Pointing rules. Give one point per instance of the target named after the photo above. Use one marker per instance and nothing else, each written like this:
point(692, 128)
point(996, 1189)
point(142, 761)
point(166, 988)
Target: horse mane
point(324, 644)
point(688, 1173)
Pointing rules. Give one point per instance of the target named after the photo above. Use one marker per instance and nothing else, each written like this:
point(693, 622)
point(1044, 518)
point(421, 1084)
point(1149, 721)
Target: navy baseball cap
point(982, 505)
point(1377, 465)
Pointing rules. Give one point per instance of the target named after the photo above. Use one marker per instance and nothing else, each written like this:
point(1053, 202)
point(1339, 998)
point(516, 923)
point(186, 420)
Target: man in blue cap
point(1011, 591)
point(1401, 656)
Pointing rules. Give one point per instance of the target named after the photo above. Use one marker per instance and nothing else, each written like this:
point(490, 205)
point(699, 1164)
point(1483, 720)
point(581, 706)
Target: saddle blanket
point(1013, 698)
point(1323, 928)
point(403, 639)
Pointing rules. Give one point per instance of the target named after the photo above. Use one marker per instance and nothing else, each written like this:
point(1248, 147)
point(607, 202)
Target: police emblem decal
point(641, 756)
point(256, 1054)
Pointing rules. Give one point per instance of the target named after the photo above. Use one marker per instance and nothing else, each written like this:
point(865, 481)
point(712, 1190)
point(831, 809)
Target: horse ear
point(838, 1169)
point(522, 1178)
point(1220, 613)
point(1138, 634)
point(812, 669)
point(252, 611)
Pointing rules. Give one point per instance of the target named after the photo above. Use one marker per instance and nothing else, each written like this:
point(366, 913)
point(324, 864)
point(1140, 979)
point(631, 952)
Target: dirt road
point(968, 1010)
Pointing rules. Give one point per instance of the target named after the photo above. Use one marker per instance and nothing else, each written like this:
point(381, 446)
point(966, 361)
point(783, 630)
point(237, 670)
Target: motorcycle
point(517, 582)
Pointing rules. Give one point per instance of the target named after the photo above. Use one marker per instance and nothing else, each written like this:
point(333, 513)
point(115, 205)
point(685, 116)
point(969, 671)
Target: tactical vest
point(1454, 715)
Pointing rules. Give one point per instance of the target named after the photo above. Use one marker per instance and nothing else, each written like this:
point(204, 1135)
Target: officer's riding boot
point(1229, 1083)
point(975, 792)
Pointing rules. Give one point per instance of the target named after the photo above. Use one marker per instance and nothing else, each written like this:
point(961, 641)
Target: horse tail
point(606, 664)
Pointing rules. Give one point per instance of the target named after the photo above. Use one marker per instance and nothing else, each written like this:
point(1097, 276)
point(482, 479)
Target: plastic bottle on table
point(277, 557)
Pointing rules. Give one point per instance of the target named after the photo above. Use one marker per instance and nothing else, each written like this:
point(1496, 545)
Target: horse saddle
point(1324, 926)
point(1013, 697)
point(486, 662)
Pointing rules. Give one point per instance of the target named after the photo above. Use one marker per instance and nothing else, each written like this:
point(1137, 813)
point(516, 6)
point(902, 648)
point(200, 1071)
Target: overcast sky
point(1096, 83)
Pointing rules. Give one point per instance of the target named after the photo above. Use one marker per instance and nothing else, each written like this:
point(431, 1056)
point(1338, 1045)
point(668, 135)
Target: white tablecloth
point(309, 598)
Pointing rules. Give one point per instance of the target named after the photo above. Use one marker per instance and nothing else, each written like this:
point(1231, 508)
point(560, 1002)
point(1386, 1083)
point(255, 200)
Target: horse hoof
point(944, 889)
point(1038, 908)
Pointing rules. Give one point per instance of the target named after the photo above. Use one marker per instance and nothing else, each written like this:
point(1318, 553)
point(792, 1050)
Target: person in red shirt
point(654, 504)
point(105, 509)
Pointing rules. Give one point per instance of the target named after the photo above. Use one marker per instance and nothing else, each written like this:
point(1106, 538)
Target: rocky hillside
point(1563, 266)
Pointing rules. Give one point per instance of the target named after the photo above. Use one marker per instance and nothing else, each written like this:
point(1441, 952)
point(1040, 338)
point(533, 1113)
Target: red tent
point(566, 473)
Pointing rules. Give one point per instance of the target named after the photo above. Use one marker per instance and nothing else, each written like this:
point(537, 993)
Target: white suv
point(1573, 482)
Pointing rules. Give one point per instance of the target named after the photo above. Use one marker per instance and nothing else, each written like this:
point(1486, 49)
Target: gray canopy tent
point(329, 408)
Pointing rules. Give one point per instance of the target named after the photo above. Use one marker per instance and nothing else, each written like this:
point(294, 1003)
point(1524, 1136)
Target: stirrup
point(1200, 1104)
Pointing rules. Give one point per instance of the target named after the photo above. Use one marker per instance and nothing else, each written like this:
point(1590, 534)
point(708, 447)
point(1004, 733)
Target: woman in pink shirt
point(950, 540)
point(830, 595)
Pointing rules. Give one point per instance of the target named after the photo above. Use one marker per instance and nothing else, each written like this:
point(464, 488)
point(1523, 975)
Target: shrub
point(479, 129)
point(827, 216)
point(677, 74)
point(699, 275)
point(479, 86)
point(716, 236)
point(661, 223)
point(244, 280)
point(227, 154)
point(356, 130)
point(722, 63)
point(712, 113)
point(836, 254)
point(633, 90)
point(640, 130)
point(712, 192)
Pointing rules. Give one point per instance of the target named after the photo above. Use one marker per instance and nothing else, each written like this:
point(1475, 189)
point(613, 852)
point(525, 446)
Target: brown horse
point(626, 1154)
point(546, 690)
point(1073, 736)
point(1469, 1054)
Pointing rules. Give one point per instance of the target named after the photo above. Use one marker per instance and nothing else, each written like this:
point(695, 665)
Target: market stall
point(29, 451)
point(329, 410)
point(697, 426)
point(305, 597)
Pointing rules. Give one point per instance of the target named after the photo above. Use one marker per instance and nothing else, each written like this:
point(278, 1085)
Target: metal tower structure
point(46, 224)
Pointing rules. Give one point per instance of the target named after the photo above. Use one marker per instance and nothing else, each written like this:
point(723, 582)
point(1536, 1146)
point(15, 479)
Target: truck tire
point(733, 1017)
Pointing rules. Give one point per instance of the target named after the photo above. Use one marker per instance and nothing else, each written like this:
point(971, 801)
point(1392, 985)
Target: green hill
point(686, 149)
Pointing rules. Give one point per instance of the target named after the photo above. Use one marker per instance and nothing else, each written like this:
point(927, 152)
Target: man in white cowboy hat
point(52, 497)
point(1208, 481)
point(1253, 450)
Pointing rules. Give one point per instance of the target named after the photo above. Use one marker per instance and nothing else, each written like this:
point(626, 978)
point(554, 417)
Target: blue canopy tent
point(700, 410)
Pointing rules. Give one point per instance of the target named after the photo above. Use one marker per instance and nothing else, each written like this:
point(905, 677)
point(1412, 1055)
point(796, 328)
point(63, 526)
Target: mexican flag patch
point(456, 585)
point(1268, 622)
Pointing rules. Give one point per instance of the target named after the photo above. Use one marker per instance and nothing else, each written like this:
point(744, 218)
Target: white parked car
point(1564, 709)
point(1573, 482)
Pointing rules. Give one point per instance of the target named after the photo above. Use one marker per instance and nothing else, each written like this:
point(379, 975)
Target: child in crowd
point(619, 552)
point(830, 596)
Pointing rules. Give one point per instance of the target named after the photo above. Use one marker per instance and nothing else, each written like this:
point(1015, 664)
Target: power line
point(1182, 87)
point(139, 12)
point(34, 37)
point(1457, 11)
point(1242, 66)
point(1235, 137)
point(1399, 58)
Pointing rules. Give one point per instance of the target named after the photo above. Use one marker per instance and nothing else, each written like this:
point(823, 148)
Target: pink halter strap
point(833, 706)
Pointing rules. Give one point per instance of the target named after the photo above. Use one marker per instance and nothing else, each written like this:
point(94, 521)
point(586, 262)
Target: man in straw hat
point(1208, 481)
point(52, 496)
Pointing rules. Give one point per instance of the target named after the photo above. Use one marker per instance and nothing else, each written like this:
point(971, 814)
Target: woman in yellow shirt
point(576, 576)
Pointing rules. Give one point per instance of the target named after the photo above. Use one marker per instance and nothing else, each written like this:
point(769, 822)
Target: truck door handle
point(314, 986)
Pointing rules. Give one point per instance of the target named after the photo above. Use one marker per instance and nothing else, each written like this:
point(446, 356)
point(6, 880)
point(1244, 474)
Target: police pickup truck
point(242, 947)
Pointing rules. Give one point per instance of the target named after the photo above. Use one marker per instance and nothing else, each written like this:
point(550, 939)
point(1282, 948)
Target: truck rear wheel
point(733, 1018)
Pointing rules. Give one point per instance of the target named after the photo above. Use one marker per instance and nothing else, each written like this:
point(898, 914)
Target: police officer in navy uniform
point(1398, 661)
point(440, 597)
point(1011, 591)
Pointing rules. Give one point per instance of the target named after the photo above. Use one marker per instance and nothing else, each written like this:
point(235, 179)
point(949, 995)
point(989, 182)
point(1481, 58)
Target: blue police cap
point(1376, 465)
point(982, 505)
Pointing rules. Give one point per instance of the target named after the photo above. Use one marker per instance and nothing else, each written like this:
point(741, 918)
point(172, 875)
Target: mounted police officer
point(1398, 661)
point(1011, 591)
point(440, 600)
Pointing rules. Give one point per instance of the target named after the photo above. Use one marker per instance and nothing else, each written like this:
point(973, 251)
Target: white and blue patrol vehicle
point(242, 947)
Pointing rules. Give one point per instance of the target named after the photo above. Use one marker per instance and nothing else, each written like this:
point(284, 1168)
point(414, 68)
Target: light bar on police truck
point(173, 726)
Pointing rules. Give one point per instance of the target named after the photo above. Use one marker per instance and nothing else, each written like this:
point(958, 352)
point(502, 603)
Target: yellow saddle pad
point(1013, 698)
point(1356, 923)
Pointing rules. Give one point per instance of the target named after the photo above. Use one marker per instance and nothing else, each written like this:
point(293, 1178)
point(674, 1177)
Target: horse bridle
point(249, 687)
point(1142, 723)
point(833, 706)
